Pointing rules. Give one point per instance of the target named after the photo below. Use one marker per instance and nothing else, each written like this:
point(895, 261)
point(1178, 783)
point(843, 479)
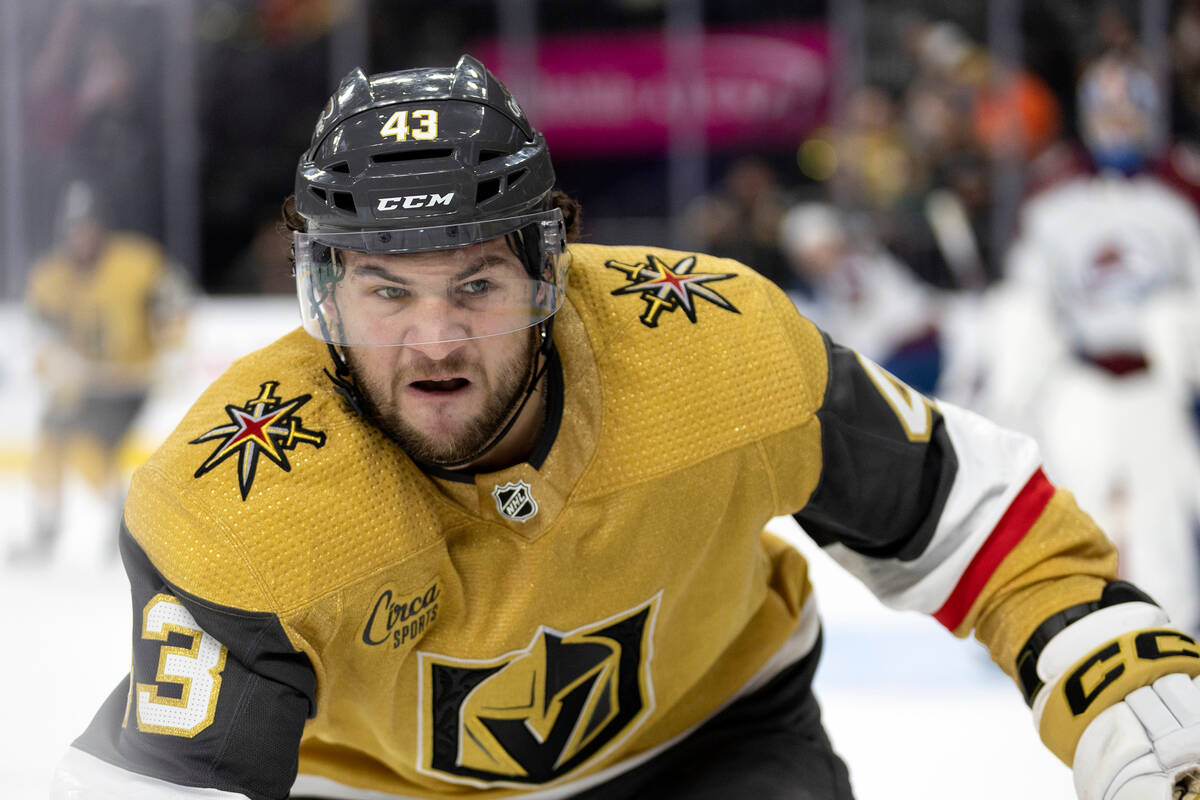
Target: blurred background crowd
point(994, 199)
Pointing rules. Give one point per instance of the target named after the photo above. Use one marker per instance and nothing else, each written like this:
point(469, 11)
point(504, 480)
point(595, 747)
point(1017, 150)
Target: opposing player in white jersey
point(865, 297)
point(1097, 336)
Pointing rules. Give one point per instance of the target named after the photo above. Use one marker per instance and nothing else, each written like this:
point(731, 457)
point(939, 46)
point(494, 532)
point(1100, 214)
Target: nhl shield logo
point(515, 501)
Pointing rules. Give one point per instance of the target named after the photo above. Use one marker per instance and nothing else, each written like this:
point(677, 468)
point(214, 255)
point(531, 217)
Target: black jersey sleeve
point(887, 462)
point(918, 498)
point(217, 697)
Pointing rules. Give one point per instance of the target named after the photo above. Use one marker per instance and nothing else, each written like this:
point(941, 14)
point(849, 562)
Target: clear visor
point(430, 285)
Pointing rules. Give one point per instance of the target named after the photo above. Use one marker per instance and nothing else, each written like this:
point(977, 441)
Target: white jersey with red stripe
point(1103, 249)
point(1094, 339)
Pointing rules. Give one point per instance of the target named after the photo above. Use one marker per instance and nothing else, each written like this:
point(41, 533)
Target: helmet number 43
point(424, 125)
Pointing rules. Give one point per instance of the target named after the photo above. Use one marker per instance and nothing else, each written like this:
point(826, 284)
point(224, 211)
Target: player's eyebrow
point(373, 269)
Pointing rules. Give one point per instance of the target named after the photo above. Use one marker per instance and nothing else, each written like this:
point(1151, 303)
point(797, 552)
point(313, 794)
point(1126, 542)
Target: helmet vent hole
point(319, 194)
point(516, 177)
point(412, 155)
point(490, 155)
point(344, 201)
point(341, 166)
point(487, 190)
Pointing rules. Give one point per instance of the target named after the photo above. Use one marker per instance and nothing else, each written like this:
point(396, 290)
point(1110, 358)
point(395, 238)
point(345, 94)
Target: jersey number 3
point(183, 699)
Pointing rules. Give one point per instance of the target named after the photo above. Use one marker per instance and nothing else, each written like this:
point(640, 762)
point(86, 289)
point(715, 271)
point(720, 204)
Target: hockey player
point(1096, 339)
point(105, 305)
point(476, 532)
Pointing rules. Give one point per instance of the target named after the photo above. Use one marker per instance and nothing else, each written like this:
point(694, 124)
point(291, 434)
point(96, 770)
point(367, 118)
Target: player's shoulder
point(50, 279)
point(689, 329)
point(668, 293)
point(1164, 198)
point(134, 254)
point(1061, 197)
point(256, 497)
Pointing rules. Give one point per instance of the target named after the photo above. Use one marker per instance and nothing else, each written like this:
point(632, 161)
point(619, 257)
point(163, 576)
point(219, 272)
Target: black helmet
point(421, 147)
point(426, 160)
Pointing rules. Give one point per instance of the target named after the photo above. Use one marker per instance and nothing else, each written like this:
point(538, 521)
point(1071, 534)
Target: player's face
point(442, 400)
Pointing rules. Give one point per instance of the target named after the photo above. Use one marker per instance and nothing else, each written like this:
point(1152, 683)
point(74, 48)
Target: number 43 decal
point(193, 673)
point(910, 406)
point(424, 125)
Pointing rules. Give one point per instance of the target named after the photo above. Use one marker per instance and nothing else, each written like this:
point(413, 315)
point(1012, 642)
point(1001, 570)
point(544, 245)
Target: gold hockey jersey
point(103, 314)
point(316, 614)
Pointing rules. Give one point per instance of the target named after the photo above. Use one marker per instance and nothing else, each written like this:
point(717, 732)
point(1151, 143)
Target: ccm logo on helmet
point(414, 201)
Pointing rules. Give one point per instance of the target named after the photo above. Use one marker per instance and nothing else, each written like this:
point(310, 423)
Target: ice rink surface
point(916, 713)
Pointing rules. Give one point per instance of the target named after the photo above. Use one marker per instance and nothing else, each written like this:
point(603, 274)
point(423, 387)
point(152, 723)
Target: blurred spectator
point(265, 266)
point(91, 100)
point(104, 304)
point(874, 164)
point(1094, 336)
point(740, 220)
point(863, 297)
point(1181, 166)
point(922, 168)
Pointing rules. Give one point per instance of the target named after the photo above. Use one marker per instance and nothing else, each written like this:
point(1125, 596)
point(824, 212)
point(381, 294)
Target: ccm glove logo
point(1099, 670)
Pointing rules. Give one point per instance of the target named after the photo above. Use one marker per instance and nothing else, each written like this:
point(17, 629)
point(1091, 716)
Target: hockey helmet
point(441, 168)
point(1120, 114)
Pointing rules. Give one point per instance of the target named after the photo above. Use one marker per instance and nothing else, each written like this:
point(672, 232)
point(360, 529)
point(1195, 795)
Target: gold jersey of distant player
point(317, 614)
point(104, 313)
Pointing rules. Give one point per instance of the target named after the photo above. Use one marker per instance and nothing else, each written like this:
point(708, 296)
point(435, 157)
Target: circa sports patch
point(535, 715)
point(667, 288)
point(264, 425)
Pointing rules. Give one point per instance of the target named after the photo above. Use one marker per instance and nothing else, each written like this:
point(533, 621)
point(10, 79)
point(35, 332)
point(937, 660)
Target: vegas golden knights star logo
point(265, 425)
point(669, 288)
point(535, 715)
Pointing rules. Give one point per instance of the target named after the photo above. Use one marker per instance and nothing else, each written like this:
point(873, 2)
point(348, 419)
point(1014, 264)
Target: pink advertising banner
point(612, 93)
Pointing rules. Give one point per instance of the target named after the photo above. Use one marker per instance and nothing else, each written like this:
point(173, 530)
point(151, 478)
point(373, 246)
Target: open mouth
point(441, 387)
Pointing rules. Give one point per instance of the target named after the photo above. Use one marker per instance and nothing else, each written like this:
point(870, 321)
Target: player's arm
point(938, 510)
point(217, 700)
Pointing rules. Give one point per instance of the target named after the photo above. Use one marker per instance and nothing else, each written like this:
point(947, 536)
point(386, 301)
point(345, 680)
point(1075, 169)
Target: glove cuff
point(1093, 663)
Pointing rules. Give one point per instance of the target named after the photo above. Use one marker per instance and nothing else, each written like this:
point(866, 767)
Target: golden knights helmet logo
point(535, 715)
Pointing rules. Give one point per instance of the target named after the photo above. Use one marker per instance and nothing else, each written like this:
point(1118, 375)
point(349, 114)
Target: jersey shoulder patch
point(696, 356)
point(264, 477)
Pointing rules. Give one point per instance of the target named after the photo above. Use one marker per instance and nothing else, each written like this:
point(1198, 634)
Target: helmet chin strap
point(541, 362)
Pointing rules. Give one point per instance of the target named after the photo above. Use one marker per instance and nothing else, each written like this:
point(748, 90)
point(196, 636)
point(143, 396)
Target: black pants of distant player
point(769, 745)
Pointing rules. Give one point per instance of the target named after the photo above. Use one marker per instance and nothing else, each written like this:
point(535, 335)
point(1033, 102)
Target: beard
point(473, 435)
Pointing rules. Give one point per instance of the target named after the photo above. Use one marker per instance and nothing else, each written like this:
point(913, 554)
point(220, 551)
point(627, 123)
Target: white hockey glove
point(1147, 747)
point(1114, 696)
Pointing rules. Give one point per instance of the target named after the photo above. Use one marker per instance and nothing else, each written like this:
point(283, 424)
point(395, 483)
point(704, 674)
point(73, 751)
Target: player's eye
point(391, 292)
point(476, 287)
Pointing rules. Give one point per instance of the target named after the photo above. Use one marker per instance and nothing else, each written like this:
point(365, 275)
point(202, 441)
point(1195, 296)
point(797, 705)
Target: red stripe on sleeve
point(1024, 510)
